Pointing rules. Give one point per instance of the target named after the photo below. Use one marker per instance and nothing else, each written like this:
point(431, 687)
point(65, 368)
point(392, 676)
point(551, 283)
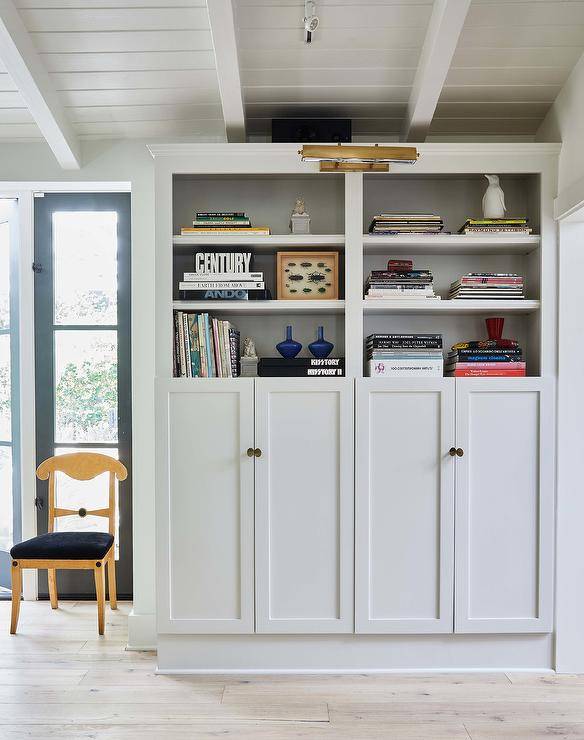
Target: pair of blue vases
point(289, 348)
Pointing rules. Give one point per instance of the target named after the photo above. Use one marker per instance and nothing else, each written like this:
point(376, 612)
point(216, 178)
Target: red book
point(400, 265)
point(485, 374)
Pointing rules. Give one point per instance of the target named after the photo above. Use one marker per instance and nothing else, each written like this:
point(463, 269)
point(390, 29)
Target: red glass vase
point(495, 327)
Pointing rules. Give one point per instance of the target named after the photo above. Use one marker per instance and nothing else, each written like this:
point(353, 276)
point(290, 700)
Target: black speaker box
point(311, 130)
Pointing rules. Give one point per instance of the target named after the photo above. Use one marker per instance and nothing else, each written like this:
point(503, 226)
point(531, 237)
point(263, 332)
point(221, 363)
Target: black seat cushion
point(64, 546)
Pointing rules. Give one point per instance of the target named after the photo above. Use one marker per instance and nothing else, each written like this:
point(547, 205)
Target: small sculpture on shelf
point(289, 348)
point(494, 199)
point(249, 349)
point(321, 347)
point(249, 359)
point(299, 218)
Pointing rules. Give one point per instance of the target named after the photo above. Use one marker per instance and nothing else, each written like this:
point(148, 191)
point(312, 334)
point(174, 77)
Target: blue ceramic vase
point(321, 348)
point(289, 348)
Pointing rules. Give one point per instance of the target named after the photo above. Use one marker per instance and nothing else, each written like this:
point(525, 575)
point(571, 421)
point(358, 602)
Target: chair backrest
point(82, 466)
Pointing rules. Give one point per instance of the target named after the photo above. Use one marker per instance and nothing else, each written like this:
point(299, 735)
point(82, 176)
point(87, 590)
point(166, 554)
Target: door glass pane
point(86, 386)
point(87, 494)
point(85, 267)
point(4, 275)
point(6, 522)
point(5, 394)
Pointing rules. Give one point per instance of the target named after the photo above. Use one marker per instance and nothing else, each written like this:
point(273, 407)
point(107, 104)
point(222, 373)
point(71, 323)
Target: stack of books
point(487, 358)
point(507, 226)
point(302, 367)
point(400, 280)
point(222, 276)
point(223, 222)
point(404, 355)
point(406, 223)
point(204, 347)
point(488, 286)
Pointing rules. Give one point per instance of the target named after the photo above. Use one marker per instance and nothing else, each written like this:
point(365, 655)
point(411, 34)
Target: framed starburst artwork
point(307, 275)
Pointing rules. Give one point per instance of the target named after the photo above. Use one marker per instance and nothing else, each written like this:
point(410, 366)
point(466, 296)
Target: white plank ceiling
point(147, 68)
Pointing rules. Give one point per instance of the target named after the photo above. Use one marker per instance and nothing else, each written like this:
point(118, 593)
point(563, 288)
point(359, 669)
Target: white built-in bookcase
point(278, 526)
point(264, 181)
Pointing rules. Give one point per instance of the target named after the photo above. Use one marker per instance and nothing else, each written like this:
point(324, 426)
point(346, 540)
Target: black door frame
point(74, 584)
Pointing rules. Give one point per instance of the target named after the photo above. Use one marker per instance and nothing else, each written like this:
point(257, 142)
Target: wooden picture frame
point(317, 276)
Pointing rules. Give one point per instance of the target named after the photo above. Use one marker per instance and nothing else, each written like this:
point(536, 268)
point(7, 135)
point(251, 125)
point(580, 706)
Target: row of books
point(431, 223)
point(509, 226)
point(406, 223)
point(204, 347)
point(486, 358)
point(488, 285)
point(420, 355)
point(400, 280)
point(404, 355)
point(223, 222)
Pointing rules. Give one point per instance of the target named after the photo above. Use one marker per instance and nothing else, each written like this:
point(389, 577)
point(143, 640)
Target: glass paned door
point(10, 508)
point(82, 313)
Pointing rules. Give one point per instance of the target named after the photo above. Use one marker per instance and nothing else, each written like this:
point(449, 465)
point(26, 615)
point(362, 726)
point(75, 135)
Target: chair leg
point(53, 588)
point(16, 573)
point(99, 573)
point(111, 580)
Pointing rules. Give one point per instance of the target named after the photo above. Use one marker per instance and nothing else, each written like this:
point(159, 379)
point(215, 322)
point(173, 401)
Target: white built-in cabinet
point(404, 538)
point(450, 466)
point(292, 512)
point(206, 526)
point(504, 505)
point(304, 505)
point(259, 518)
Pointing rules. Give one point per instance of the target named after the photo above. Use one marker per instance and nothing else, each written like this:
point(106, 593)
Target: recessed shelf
point(261, 243)
point(460, 307)
point(449, 244)
point(262, 308)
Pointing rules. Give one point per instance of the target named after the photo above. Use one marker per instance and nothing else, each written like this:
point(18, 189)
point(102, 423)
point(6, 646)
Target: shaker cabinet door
point(205, 504)
point(404, 505)
point(504, 505)
point(304, 505)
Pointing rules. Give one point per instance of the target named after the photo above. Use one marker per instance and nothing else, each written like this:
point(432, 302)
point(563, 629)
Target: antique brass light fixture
point(350, 158)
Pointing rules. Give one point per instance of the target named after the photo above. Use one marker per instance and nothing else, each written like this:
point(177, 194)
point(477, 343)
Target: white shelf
point(261, 243)
point(262, 308)
point(460, 307)
point(449, 244)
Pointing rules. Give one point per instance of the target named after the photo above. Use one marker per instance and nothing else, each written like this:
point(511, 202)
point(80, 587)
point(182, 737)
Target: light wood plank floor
point(58, 679)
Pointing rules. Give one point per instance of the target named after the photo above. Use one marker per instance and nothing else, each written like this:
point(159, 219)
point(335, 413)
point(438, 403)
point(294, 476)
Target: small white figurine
point(249, 349)
point(299, 218)
point(494, 199)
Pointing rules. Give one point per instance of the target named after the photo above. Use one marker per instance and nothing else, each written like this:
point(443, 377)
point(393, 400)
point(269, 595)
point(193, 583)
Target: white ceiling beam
point(28, 73)
point(442, 36)
point(223, 31)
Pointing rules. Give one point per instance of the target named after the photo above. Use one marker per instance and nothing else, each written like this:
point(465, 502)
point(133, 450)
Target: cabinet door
point(404, 505)
point(205, 505)
point(304, 505)
point(504, 505)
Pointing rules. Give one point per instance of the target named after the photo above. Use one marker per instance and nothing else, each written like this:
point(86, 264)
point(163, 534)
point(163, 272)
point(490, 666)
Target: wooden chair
point(72, 550)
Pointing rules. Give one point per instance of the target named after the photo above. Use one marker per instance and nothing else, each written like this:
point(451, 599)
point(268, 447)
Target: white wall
point(121, 162)
point(565, 122)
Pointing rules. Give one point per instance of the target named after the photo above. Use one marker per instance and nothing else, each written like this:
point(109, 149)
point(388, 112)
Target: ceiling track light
point(349, 158)
point(311, 20)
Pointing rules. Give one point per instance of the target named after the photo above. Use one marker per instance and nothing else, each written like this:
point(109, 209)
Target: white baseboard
point(353, 653)
point(141, 631)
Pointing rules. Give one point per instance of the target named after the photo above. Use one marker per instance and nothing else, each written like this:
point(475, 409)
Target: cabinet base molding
point(352, 653)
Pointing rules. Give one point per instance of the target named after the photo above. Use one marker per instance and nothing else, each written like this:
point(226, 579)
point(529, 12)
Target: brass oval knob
point(250, 451)
point(257, 452)
point(459, 451)
point(452, 451)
